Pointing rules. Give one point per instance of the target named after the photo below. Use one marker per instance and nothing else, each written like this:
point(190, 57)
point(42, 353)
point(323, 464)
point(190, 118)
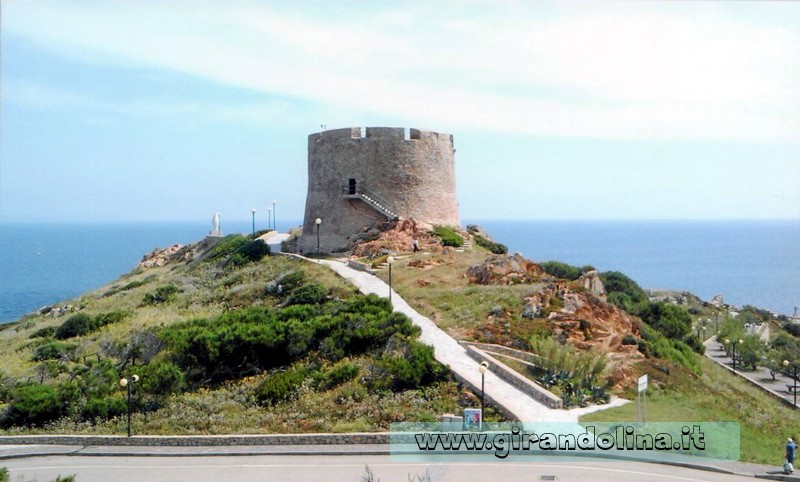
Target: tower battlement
point(408, 134)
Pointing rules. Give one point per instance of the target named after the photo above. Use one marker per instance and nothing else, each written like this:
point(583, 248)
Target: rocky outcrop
point(583, 319)
point(505, 270)
point(474, 229)
point(397, 237)
point(57, 310)
point(577, 316)
point(592, 283)
point(160, 257)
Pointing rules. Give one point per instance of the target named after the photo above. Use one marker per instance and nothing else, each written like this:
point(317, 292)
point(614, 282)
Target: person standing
point(791, 448)
point(415, 244)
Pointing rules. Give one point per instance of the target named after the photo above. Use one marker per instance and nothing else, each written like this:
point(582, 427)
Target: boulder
point(591, 281)
point(505, 270)
point(397, 237)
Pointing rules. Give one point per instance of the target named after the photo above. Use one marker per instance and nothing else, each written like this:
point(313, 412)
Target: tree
point(752, 351)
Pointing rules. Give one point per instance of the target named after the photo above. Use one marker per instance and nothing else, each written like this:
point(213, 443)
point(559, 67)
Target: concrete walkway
point(760, 377)
point(274, 240)
point(449, 352)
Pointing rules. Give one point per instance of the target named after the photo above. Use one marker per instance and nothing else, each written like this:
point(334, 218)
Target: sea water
point(747, 262)
point(43, 264)
point(755, 263)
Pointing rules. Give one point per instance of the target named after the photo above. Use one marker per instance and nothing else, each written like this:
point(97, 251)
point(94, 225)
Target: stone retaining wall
point(515, 379)
point(358, 265)
point(503, 350)
point(200, 440)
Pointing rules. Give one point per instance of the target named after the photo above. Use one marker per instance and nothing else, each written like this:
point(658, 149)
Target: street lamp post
point(253, 211)
point(269, 218)
point(703, 328)
point(733, 350)
point(390, 261)
point(128, 384)
point(482, 368)
point(794, 366)
point(318, 222)
point(274, 216)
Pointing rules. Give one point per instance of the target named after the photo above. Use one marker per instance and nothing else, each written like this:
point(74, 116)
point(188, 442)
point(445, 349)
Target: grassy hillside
point(235, 343)
point(232, 344)
point(715, 396)
point(684, 385)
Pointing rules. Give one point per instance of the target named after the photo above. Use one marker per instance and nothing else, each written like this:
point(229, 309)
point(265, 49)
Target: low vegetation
point(223, 347)
point(563, 270)
point(572, 374)
point(714, 396)
point(684, 384)
point(667, 329)
point(449, 236)
point(493, 247)
point(241, 342)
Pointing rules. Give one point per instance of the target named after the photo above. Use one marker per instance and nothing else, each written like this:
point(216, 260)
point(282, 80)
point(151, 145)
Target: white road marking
point(372, 465)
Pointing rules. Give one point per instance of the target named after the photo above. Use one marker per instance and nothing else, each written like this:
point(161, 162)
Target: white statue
point(215, 232)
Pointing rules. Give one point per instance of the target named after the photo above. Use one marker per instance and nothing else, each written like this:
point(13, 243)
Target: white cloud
point(43, 97)
point(610, 71)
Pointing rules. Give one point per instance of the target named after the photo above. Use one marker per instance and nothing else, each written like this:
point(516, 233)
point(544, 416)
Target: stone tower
point(363, 177)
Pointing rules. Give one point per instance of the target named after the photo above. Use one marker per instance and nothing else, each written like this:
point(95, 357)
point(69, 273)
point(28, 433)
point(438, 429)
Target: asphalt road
point(344, 468)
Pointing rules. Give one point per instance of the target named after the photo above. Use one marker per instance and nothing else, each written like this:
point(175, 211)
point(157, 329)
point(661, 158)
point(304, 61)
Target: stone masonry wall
point(199, 440)
point(413, 172)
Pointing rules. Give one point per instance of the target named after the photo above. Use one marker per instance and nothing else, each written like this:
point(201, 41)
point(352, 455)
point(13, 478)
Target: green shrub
point(33, 405)
point(163, 294)
point(695, 343)
point(45, 332)
point(103, 408)
point(54, 350)
point(448, 236)
point(414, 368)
point(793, 329)
point(341, 373)
point(654, 344)
point(286, 283)
point(116, 316)
point(83, 324)
point(227, 246)
point(670, 320)
point(160, 378)
point(229, 346)
point(254, 250)
point(629, 340)
point(258, 338)
point(495, 248)
point(237, 250)
point(308, 294)
point(77, 325)
point(281, 386)
point(3, 474)
point(563, 270)
point(127, 287)
point(623, 291)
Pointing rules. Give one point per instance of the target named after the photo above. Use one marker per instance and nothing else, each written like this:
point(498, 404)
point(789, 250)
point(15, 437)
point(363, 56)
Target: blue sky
point(173, 110)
